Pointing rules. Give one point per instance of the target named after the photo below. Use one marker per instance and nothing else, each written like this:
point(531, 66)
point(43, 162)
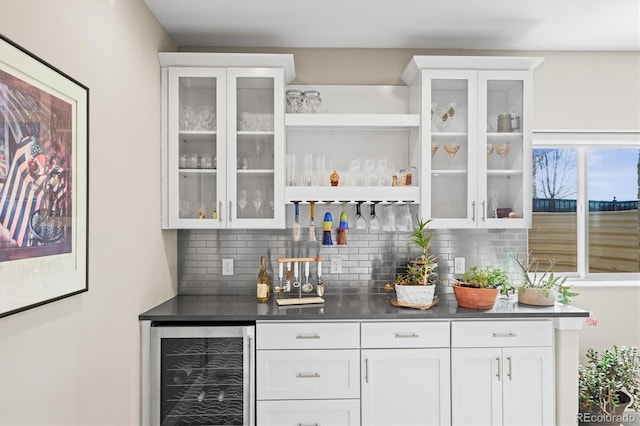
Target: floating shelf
point(352, 120)
point(351, 194)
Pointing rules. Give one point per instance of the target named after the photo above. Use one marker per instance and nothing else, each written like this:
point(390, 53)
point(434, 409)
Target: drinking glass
point(389, 218)
point(295, 99)
point(374, 223)
point(361, 223)
point(242, 202)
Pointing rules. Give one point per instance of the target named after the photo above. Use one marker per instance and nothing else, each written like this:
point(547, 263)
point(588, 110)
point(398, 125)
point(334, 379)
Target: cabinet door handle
point(220, 211)
point(366, 370)
point(307, 376)
point(407, 335)
point(230, 210)
point(498, 369)
point(509, 367)
point(483, 211)
point(473, 211)
point(307, 336)
point(504, 334)
point(308, 424)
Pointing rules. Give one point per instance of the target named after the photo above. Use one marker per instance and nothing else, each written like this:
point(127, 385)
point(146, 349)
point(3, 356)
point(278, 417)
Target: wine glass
point(242, 202)
point(390, 219)
point(374, 223)
point(361, 223)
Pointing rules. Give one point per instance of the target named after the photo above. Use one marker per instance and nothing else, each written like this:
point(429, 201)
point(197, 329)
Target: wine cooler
point(202, 375)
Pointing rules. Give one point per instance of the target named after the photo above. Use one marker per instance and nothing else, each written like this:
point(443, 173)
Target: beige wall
point(76, 361)
point(572, 90)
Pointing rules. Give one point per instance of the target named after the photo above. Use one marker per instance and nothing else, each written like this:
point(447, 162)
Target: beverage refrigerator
point(200, 375)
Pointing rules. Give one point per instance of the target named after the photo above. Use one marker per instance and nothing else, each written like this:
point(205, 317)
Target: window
point(585, 203)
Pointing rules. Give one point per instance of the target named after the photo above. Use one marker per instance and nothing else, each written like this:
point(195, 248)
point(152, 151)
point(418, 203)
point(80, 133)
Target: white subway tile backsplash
point(370, 260)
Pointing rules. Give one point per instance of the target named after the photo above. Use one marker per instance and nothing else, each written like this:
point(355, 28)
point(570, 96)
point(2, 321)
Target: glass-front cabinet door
point(196, 147)
point(449, 126)
point(505, 134)
point(478, 172)
point(224, 153)
point(255, 125)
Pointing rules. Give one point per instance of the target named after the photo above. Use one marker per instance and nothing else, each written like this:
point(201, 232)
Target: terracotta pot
point(475, 298)
point(537, 297)
point(415, 294)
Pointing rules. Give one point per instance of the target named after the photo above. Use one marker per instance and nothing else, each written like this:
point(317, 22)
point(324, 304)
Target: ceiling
point(425, 24)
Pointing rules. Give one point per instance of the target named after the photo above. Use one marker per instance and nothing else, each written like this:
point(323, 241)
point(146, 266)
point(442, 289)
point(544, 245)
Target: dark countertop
point(339, 307)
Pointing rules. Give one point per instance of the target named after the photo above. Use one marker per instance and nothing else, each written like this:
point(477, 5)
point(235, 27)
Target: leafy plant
point(485, 277)
point(546, 281)
point(422, 270)
point(606, 374)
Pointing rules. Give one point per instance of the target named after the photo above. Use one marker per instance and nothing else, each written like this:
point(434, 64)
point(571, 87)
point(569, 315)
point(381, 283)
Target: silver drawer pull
point(308, 424)
point(407, 335)
point(307, 376)
point(307, 336)
point(505, 334)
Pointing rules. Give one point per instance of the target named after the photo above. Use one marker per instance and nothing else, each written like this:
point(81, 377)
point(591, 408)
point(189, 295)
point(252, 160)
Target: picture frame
point(44, 204)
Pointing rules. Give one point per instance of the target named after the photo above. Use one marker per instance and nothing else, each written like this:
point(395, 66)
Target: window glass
point(613, 192)
point(553, 234)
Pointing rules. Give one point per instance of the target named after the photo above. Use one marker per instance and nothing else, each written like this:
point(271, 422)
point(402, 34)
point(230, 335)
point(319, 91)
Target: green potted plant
point(607, 384)
point(480, 286)
point(417, 285)
point(541, 289)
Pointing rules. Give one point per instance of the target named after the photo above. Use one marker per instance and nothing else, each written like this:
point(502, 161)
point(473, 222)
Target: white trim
point(568, 323)
point(542, 138)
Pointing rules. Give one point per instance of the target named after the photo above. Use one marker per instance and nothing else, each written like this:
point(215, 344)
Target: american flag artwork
point(35, 188)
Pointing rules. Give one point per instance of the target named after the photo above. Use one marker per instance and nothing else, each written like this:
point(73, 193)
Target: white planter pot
point(415, 294)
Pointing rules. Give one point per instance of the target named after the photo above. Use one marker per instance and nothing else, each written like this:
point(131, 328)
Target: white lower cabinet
point(328, 412)
point(405, 387)
point(500, 383)
point(405, 373)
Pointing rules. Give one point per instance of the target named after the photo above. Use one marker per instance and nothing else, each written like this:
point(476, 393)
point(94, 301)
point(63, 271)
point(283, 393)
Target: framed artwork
point(43, 182)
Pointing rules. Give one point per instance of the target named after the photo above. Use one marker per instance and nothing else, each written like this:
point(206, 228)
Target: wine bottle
point(182, 374)
point(264, 282)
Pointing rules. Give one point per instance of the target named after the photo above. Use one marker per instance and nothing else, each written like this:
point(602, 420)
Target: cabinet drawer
point(501, 333)
point(308, 374)
point(329, 412)
point(312, 335)
point(405, 334)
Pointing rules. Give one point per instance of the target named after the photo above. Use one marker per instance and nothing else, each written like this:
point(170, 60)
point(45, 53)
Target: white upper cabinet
point(223, 140)
point(476, 138)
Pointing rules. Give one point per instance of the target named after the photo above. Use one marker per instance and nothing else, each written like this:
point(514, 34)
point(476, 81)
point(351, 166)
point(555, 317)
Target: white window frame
point(581, 142)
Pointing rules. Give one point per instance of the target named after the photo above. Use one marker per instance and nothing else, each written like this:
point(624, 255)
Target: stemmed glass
point(405, 223)
point(361, 223)
point(390, 219)
point(374, 223)
point(242, 202)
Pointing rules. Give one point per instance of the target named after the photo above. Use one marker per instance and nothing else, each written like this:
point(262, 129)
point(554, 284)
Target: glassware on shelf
point(447, 115)
point(307, 170)
point(489, 149)
point(389, 218)
point(361, 223)
point(503, 149)
point(435, 118)
point(243, 200)
point(343, 226)
point(327, 225)
point(291, 169)
point(374, 223)
point(434, 148)
point(182, 162)
point(207, 118)
point(258, 203)
point(190, 117)
point(312, 100)
point(452, 149)
point(404, 222)
point(295, 99)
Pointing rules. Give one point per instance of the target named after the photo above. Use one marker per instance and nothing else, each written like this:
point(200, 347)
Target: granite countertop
point(338, 306)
